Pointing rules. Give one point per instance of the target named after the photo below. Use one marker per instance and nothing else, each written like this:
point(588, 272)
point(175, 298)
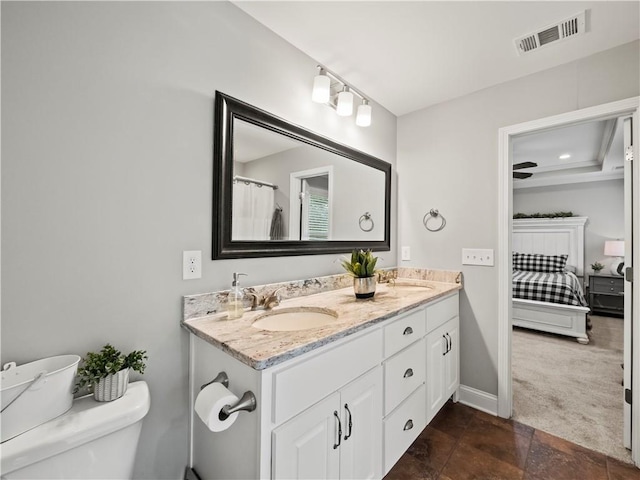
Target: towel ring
point(366, 218)
point(433, 213)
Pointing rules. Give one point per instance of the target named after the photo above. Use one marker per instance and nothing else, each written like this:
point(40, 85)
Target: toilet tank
point(92, 440)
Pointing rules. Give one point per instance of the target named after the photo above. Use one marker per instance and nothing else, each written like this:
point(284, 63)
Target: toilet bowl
point(92, 440)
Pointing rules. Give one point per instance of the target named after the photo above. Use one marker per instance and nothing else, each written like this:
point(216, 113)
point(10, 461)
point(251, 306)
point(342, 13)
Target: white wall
point(107, 117)
point(447, 159)
point(602, 202)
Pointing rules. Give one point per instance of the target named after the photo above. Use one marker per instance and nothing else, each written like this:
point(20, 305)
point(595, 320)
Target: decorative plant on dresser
point(362, 267)
point(107, 372)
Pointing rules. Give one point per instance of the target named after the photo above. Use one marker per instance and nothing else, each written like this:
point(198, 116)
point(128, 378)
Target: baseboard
point(479, 400)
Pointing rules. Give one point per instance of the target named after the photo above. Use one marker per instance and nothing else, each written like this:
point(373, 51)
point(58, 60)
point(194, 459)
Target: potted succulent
point(107, 371)
point(362, 267)
point(596, 267)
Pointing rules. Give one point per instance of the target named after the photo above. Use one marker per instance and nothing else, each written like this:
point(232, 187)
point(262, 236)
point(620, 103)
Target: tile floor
point(462, 443)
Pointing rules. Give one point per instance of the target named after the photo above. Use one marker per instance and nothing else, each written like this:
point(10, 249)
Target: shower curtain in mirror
point(252, 211)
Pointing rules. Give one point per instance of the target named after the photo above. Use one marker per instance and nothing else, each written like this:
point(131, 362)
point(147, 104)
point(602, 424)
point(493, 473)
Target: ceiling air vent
point(567, 28)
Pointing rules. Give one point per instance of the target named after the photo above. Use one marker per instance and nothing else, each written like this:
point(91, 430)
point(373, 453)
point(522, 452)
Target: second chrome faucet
point(266, 301)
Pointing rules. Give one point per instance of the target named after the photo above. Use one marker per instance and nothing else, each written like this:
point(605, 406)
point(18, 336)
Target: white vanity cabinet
point(348, 409)
point(339, 437)
point(404, 384)
point(443, 354)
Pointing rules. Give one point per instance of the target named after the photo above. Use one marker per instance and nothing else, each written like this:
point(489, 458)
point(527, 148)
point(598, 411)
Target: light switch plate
point(191, 264)
point(406, 253)
point(477, 256)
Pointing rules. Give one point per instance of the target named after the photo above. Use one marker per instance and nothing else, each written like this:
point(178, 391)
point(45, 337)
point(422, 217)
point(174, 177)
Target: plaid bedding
point(557, 287)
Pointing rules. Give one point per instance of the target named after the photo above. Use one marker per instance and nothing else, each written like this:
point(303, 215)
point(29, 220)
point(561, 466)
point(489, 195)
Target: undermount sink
point(294, 319)
point(408, 286)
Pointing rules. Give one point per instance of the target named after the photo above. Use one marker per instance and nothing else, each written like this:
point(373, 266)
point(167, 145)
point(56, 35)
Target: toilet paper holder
point(247, 402)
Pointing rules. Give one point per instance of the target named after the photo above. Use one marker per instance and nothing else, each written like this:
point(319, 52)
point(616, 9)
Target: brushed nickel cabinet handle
point(408, 331)
point(408, 373)
point(408, 425)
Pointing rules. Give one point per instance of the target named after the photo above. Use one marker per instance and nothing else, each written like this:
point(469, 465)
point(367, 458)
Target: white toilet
point(92, 440)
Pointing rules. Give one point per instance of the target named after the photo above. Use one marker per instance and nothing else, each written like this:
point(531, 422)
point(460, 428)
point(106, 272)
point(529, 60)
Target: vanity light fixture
point(363, 117)
point(330, 89)
point(321, 87)
point(344, 108)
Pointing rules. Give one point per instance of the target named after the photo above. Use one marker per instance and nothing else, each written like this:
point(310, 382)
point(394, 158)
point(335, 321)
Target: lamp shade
point(321, 88)
point(614, 248)
point(363, 117)
point(344, 108)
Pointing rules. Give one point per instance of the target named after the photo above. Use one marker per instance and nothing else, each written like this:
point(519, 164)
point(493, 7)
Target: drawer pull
point(336, 445)
point(408, 331)
point(450, 342)
point(349, 424)
point(408, 425)
point(446, 348)
point(408, 373)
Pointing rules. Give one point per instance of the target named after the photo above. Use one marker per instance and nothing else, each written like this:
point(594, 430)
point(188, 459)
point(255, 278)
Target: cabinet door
point(452, 359)
point(303, 447)
point(436, 348)
point(361, 449)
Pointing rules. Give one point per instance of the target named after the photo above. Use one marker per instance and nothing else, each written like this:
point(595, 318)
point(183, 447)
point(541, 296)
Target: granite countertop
point(261, 349)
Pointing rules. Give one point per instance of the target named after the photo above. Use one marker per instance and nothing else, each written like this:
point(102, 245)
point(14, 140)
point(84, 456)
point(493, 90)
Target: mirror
point(282, 190)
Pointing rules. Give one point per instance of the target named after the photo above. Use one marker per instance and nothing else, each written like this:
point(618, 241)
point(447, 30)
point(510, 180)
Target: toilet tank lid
point(86, 421)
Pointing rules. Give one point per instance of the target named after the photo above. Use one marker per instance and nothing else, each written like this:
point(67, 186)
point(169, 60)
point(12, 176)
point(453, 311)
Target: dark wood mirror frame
point(227, 110)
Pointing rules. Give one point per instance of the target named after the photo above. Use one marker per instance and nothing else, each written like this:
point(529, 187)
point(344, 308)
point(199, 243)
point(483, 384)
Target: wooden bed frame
point(552, 236)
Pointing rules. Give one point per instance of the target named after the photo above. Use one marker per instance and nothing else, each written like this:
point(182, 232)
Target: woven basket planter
point(112, 386)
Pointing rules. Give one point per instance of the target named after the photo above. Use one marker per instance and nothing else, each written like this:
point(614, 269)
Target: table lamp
point(615, 248)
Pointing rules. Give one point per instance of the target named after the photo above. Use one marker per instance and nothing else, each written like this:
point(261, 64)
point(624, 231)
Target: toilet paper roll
point(210, 401)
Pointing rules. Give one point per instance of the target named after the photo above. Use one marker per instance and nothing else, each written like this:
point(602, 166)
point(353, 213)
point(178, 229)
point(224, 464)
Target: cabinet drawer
point(442, 311)
point(403, 426)
point(607, 285)
point(403, 332)
point(303, 384)
point(403, 373)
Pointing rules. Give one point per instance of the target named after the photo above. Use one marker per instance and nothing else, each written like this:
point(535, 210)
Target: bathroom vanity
point(344, 400)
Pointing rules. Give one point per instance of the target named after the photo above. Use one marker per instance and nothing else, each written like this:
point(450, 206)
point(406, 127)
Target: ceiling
point(409, 55)
point(595, 150)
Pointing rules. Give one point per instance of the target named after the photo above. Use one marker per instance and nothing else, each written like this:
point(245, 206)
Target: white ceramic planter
point(112, 386)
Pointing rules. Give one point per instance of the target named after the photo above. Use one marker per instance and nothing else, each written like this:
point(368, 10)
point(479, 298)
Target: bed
point(550, 301)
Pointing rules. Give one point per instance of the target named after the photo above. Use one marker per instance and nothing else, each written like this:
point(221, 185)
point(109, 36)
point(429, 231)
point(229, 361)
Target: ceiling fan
point(520, 166)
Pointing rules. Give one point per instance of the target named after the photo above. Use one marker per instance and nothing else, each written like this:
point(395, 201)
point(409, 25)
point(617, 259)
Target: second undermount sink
point(295, 318)
point(408, 286)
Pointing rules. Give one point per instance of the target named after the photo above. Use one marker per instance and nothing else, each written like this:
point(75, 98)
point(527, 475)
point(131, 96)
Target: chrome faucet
point(386, 276)
point(267, 301)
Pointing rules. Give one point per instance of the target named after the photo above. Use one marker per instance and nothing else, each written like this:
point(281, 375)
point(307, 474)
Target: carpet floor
point(571, 390)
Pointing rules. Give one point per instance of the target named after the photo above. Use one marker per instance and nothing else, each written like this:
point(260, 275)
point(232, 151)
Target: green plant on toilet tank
point(362, 267)
point(107, 371)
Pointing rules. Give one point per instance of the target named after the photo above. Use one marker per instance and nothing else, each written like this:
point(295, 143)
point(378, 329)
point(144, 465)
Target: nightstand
point(606, 295)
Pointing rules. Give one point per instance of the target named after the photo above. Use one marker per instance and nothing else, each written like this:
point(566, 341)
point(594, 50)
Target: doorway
point(627, 107)
point(310, 196)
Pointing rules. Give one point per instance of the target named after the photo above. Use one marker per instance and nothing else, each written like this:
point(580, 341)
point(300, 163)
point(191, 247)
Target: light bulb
point(321, 88)
point(344, 107)
point(363, 117)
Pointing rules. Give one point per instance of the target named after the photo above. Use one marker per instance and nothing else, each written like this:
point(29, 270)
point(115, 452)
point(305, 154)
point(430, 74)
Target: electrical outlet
point(477, 256)
point(191, 264)
point(406, 253)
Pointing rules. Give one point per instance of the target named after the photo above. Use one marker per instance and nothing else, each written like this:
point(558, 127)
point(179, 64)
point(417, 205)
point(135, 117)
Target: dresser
point(606, 295)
